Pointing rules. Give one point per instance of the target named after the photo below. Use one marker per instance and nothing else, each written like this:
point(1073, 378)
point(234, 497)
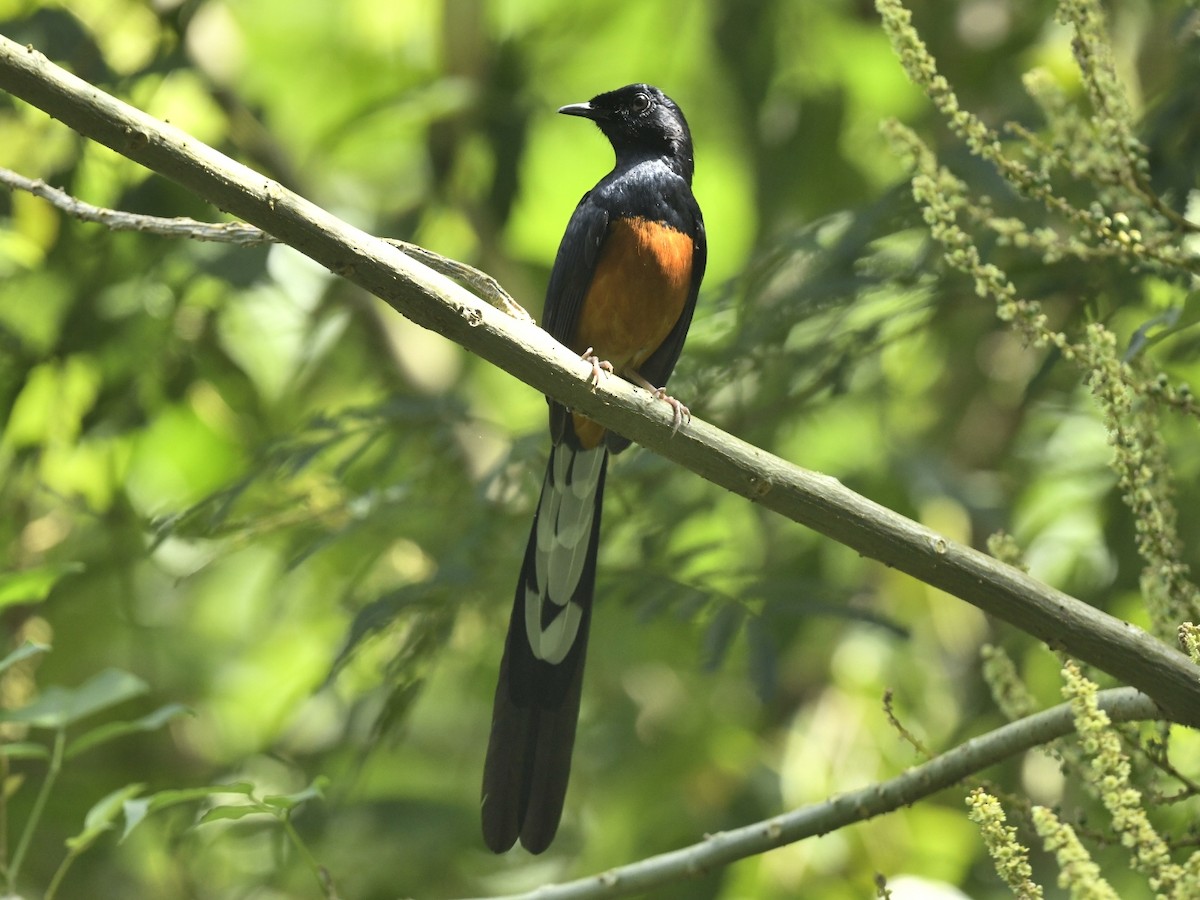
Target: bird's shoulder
point(648, 189)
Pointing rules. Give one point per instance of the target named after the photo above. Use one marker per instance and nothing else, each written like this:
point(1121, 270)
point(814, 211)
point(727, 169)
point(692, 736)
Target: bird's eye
point(641, 102)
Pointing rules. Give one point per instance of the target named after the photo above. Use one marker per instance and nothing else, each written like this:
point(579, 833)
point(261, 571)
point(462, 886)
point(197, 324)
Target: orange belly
point(638, 292)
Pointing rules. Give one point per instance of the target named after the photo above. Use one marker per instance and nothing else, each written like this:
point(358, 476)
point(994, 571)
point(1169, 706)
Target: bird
point(621, 294)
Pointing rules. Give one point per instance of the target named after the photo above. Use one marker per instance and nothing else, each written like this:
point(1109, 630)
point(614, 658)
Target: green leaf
point(1166, 324)
point(137, 810)
point(53, 402)
point(720, 633)
point(100, 817)
point(112, 730)
point(288, 802)
point(24, 750)
point(59, 707)
point(235, 812)
point(32, 585)
point(377, 615)
point(25, 651)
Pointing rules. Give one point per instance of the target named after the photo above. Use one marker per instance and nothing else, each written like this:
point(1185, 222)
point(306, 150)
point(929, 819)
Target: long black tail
point(537, 698)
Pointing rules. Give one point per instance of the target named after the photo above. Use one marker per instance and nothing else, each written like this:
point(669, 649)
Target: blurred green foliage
point(271, 500)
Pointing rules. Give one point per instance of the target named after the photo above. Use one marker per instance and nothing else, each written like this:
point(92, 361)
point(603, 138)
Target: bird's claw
point(680, 414)
point(600, 367)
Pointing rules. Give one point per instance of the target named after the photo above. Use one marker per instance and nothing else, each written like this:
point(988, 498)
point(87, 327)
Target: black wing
point(573, 268)
point(570, 279)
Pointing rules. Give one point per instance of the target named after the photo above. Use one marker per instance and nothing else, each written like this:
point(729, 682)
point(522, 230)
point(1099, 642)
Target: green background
point(302, 517)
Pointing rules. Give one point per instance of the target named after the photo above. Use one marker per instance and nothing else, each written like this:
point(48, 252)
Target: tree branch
point(527, 352)
point(1121, 704)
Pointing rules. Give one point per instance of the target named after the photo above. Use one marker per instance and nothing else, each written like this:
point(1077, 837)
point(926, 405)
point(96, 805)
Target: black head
point(640, 121)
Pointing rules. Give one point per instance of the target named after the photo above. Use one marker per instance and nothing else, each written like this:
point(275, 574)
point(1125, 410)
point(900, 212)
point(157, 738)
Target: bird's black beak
point(586, 110)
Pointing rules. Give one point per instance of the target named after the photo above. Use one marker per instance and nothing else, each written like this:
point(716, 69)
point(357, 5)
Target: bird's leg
point(680, 413)
point(599, 366)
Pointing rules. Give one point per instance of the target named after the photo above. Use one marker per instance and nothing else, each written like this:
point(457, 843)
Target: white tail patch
point(564, 527)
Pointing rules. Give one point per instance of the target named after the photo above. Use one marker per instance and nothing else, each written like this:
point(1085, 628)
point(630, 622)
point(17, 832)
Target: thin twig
point(889, 710)
point(472, 279)
point(116, 220)
point(39, 805)
point(247, 235)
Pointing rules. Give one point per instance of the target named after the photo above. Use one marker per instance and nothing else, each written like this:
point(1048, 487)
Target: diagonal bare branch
point(939, 773)
point(528, 353)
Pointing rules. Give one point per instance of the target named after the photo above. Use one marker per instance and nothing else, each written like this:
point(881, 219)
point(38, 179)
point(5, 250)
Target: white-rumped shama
point(622, 290)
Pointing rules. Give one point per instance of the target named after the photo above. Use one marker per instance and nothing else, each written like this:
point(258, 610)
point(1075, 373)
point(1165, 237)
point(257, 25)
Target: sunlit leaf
point(24, 750)
point(53, 401)
point(137, 809)
point(101, 816)
point(33, 585)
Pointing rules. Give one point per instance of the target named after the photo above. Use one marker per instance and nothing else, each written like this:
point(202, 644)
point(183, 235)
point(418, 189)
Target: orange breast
point(638, 292)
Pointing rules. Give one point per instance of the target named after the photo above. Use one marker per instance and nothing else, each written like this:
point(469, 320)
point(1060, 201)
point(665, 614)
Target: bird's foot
point(681, 415)
point(600, 367)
